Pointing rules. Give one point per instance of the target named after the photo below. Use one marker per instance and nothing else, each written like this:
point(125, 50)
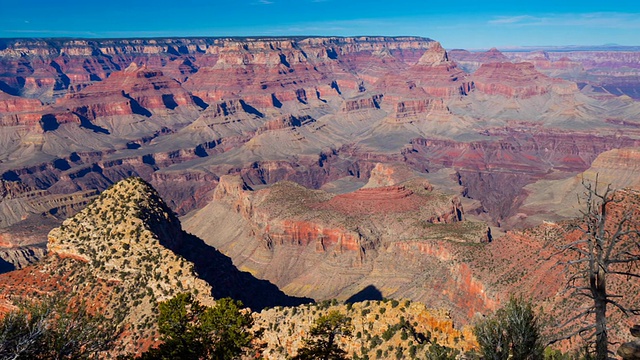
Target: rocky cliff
point(322, 245)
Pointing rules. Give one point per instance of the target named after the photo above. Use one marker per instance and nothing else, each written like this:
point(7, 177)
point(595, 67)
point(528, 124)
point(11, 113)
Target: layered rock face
point(27, 215)
point(313, 243)
point(519, 80)
point(311, 110)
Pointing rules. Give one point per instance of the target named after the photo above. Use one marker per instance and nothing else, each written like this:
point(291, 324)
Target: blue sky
point(461, 24)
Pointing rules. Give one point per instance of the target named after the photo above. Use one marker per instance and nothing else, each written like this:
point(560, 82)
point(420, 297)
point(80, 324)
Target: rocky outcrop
point(363, 103)
point(117, 232)
point(631, 350)
point(435, 55)
point(406, 326)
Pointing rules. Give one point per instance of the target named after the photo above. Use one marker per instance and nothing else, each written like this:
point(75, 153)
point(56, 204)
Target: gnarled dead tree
point(608, 245)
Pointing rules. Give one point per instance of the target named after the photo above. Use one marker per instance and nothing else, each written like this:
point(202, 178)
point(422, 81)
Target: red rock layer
point(407, 110)
point(15, 110)
point(303, 233)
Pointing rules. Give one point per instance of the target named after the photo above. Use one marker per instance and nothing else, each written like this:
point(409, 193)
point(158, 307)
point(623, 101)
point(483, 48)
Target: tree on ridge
point(608, 245)
point(322, 343)
point(192, 331)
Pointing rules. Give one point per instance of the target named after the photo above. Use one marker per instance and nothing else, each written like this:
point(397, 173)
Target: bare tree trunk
point(599, 289)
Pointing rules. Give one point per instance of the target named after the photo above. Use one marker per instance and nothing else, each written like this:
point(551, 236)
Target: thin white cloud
point(593, 20)
point(46, 32)
point(510, 19)
point(265, 2)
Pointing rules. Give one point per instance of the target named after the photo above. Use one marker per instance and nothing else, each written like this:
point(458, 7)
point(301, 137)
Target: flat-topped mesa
point(471, 61)
point(361, 103)
point(308, 224)
point(518, 80)
point(289, 232)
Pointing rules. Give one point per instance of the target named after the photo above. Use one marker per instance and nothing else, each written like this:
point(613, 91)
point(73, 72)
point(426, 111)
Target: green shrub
point(511, 333)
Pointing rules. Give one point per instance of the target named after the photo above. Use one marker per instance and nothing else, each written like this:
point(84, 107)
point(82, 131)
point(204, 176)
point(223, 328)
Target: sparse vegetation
point(512, 332)
point(55, 328)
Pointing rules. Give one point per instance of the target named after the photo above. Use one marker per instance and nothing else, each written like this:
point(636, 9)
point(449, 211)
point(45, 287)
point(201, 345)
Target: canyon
point(317, 167)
